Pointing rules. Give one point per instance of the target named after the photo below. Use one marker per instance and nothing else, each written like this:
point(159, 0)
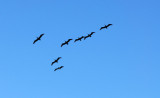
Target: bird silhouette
point(66, 42)
point(79, 39)
point(89, 35)
point(38, 38)
point(106, 26)
point(58, 68)
point(56, 61)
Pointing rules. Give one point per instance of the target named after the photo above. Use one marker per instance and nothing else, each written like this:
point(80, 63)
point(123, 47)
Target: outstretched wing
point(53, 63)
point(55, 69)
point(41, 35)
point(102, 28)
point(81, 37)
point(61, 67)
point(108, 25)
point(75, 40)
point(92, 33)
point(59, 58)
point(35, 41)
point(69, 40)
point(85, 37)
point(62, 44)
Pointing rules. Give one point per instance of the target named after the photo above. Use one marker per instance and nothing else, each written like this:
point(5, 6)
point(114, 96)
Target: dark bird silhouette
point(56, 61)
point(38, 38)
point(89, 35)
point(58, 68)
point(66, 42)
point(106, 26)
point(79, 39)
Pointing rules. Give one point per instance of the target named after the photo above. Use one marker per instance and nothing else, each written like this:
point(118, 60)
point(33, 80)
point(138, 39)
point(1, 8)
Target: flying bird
point(38, 38)
point(89, 35)
point(79, 39)
point(56, 61)
point(66, 42)
point(106, 26)
point(58, 68)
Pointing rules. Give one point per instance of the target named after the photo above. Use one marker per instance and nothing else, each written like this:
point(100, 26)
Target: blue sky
point(120, 62)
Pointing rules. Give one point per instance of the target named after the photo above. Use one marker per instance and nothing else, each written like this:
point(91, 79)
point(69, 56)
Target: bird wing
point(82, 37)
point(35, 41)
point(55, 69)
point(69, 40)
point(102, 28)
point(58, 58)
point(75, 40)
point(108, 25)
point(52, 63)
point(85, 37)
point(62, 44)
point(41, 35)
point(92, 33)
point(61, 67)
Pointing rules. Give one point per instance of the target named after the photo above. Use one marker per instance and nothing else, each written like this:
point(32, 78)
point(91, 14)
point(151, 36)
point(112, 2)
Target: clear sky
point(120, 62)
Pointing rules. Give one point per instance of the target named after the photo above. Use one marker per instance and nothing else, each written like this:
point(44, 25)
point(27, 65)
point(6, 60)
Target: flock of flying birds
point(66, 43)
